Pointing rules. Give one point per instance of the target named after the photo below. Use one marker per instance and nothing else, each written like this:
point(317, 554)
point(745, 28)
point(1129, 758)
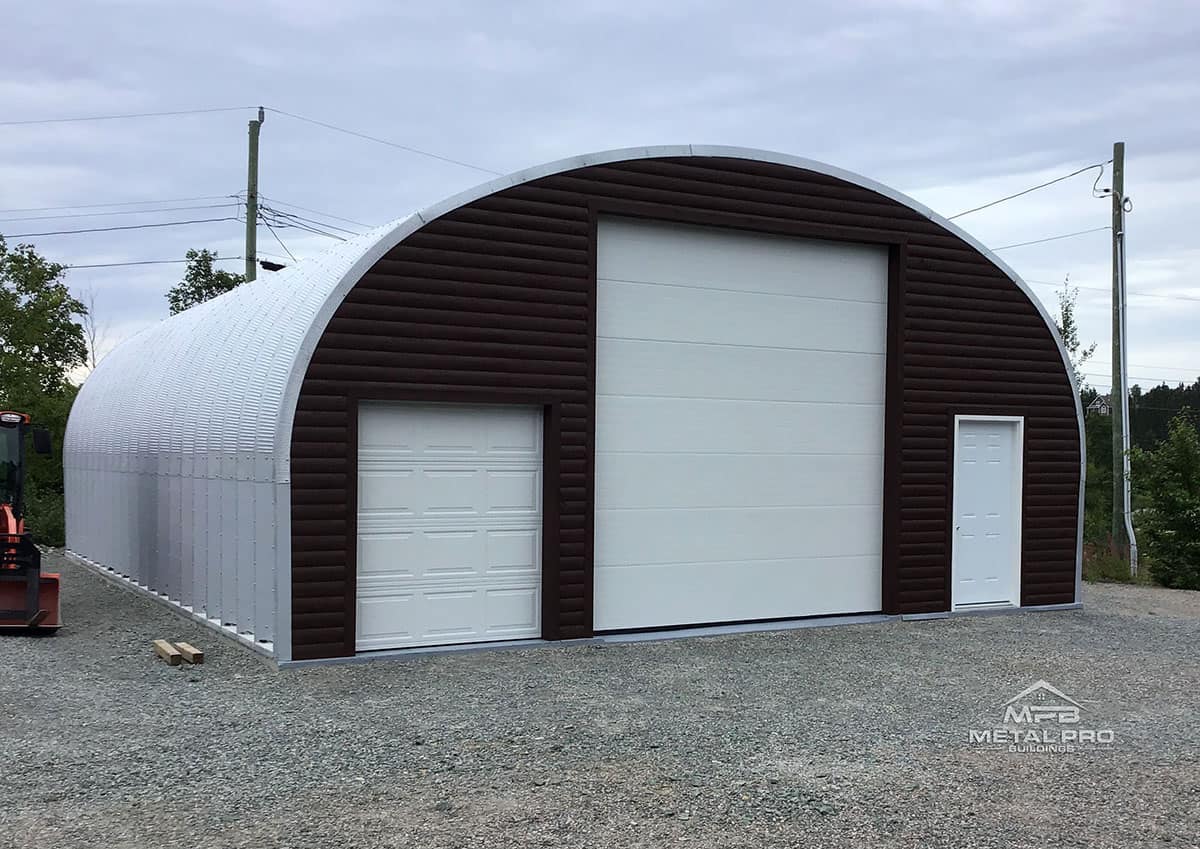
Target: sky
point(953, 103)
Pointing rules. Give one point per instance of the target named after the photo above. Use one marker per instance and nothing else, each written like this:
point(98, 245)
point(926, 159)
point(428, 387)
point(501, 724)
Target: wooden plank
point(190, 653)
point(167, 652)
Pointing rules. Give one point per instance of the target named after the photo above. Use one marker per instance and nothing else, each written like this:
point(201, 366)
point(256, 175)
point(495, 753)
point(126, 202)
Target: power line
point(127, 115)
point(288, 224)
point(1188, 369)
point(1099, 165)
point(1131, 292)
point(1136, 294)
point(1062, 283)
point(276, 235)
point(405, 147)
point(316, 226)
point(1052, 238)
point(315, 211)
point(1190, 374)
point(125, 227)
point(118, 212)
point(149, 262)
point(1146, 377)
point(286, 114)
point(121, 203)
point(286, 221)
point(292, 216)
point(308, 229)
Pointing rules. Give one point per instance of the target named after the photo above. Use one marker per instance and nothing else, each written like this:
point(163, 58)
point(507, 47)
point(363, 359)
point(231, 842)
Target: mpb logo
point(1066, 712)
point(1042, 719)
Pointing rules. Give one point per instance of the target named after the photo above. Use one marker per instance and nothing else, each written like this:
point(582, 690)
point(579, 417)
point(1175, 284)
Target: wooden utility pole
point(252, 199)
point(1118, 378)
point(1124, 543)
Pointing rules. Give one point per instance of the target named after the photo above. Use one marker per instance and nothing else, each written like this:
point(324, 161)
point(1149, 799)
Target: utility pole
point(252, 199)
point(1123, 538)
point(1118, 379)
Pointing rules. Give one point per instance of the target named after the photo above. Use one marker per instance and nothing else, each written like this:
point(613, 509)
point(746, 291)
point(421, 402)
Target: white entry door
point(449, 524)
point(739, 425)
point(987, 511)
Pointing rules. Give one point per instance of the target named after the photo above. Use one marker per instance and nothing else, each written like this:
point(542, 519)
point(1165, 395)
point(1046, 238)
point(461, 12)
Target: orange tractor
point(28, 599)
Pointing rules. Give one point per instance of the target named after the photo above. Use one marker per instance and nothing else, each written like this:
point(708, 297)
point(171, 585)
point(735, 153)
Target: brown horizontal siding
point(497, 297)
point(976, 344)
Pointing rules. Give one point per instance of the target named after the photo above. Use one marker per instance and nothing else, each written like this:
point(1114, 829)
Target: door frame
point(896, 244)
point(1018, 513)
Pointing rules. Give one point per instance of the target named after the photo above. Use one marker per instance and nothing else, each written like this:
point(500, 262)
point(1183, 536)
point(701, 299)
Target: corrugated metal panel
point(170, 452)
point(495, 294)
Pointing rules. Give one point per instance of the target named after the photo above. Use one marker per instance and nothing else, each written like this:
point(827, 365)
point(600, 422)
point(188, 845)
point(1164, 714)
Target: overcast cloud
point(953, 103)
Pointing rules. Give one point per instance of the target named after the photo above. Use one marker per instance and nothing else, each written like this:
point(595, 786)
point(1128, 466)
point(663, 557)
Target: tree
point(1168, 479)
point(201, 282)
point(40, 343)
point(93, 331)
point(1068, 328)
point(1151, 412)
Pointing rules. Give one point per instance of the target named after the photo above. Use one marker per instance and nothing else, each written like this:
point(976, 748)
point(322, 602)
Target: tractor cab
point(28, 598)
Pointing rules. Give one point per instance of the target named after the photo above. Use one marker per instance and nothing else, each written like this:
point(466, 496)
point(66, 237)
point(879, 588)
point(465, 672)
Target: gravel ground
point(848, 736)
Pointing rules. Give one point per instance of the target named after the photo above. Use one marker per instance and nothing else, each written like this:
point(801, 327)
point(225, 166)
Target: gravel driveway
point(848, 736)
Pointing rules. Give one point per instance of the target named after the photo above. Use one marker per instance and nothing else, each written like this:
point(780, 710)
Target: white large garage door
point(449, 524)
point(739, 425)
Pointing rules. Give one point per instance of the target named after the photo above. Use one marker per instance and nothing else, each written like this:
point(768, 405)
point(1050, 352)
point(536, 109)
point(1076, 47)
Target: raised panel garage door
point(449, 524)
point(739, 426)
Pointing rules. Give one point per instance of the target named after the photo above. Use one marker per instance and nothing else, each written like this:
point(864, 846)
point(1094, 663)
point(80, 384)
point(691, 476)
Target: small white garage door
point(449, 524)
point(739, 426)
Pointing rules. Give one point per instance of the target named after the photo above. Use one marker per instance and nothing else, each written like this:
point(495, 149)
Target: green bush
point(1102, 566)
point(44, 517)
point(1098, 491)
point(1168, 523)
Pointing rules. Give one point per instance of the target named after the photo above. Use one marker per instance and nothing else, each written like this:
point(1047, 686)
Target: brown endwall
point(494, 302)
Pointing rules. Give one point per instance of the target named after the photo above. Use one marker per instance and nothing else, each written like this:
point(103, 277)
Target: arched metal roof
point(212, 378)
point(224, 377)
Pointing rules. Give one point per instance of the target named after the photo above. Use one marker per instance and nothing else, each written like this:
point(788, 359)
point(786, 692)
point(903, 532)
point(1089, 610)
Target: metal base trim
point(418, 652)
point(991, 611)
point(117, 579)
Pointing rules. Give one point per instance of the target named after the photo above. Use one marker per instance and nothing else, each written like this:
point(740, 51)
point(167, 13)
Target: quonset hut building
point(629, 391)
